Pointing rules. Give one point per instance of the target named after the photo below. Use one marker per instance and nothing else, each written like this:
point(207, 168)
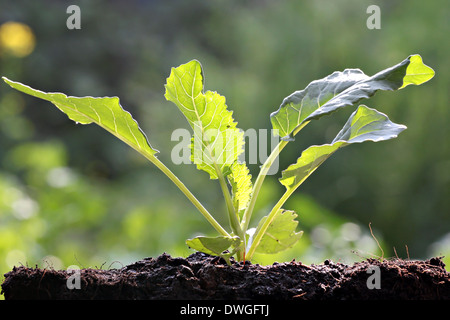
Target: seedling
point(218, 142)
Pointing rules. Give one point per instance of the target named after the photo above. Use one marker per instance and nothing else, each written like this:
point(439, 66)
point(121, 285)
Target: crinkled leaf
point(281, 234)
point(214, 245)
point(341, 89)
point(217, 142)
point(105, 112)
point(365, 124)
point(241, 185)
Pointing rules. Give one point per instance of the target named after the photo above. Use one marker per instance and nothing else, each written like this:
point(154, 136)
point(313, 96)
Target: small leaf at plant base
point(365, 124)
point(341, 89)
point(280, 234)
point(213, 245)
point(105, 112)
point(217, 142)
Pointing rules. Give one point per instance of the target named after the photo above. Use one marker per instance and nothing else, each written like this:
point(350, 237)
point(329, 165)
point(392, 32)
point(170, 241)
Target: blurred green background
point(72, 194)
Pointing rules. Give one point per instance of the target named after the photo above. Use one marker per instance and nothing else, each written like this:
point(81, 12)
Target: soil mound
point(203, 277)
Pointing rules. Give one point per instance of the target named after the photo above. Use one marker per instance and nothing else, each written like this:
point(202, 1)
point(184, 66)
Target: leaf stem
point(234, 222)
point(262, 175)
point(259, 181)
point(187, 193)
point(233, 218)
point(267, 222)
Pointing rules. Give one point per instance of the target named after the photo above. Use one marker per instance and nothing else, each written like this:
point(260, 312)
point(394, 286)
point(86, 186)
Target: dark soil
point(202, 277)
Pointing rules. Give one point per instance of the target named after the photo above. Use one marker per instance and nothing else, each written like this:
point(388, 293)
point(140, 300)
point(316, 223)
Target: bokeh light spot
point(16, 39)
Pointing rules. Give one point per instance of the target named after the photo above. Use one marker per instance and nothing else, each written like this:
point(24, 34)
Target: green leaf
point(217, 142)
point(417, 73)
point(108, 114)
point(280, 234)
point(241, 186)
point(341, 89)
point(365, 124)
point(214, 245)
point(105, 112)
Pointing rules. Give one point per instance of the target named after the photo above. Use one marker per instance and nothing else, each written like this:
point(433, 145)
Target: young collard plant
point(218, 142)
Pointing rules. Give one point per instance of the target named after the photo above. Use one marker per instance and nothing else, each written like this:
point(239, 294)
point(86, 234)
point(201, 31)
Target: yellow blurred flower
point(17, 39)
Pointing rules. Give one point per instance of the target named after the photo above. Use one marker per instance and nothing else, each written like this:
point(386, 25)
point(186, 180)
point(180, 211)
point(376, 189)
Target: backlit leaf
point(241, 185)
point(365, 124)
point(105, 112)
point(417, 73)
point(213, 245)
point(281, 234)
point(217, 142)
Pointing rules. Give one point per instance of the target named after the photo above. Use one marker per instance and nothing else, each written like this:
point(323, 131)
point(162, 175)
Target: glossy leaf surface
point(341, 89)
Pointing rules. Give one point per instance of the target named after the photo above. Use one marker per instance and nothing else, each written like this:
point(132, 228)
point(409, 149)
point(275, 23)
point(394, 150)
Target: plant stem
point(234, 222)
point(262, 175)
point(233, 218)
point(271, 216)
point(188, 194)
point(259, 181)
point(257, 187)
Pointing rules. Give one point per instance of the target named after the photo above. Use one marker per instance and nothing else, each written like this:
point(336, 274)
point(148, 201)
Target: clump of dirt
point(203, 277)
